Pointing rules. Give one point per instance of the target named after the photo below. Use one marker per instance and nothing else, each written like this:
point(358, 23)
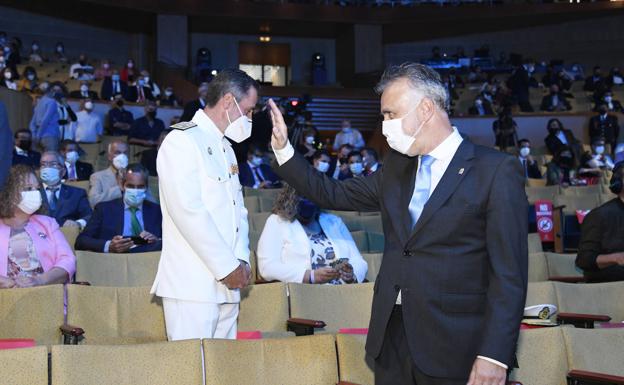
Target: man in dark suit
point(22, 154)
point(67, 204)
point(75, 169)
point(604, 126)
point(191, 107)
point(519, 83)
point(119, 119)
point(555, 100)
point(481, 107)
point(146, 129)
point(452, 284)
point(126, 225)
point(529, 165)
point(84, 92)
point(255, 173)
point(139, 92)
point(112, 86)
point(612, 104)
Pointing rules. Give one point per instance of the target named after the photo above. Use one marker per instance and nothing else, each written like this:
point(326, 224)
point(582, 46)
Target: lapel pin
point(42, 235)
point(209, 150)
point(461, 171)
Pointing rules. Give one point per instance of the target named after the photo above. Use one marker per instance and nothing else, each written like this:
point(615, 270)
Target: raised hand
point(279, 139)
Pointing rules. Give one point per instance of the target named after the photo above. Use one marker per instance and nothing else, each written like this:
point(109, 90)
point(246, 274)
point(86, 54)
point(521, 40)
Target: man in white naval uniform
point(205, 253)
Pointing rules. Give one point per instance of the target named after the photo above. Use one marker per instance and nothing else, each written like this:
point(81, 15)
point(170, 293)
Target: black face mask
point(306, 211)
point(151, 114)
point(120, 103)
point(24, 144)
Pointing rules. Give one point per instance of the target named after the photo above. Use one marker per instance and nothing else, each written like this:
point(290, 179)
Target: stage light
point(265, 39)
point(213, 72)
point(294, 103)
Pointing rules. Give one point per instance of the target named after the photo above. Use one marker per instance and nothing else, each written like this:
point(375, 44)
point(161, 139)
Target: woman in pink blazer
point(33, 250)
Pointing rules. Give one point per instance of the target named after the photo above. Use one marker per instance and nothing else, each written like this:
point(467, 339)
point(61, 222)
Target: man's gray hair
point(234, 81)
point(56, 154)
point(422, 78)
point(109, 148)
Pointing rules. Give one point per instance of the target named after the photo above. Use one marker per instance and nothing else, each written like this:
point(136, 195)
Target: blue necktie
point(421, 189)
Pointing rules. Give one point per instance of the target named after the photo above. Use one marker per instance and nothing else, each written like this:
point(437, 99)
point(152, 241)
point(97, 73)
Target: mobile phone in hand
point(138, 240)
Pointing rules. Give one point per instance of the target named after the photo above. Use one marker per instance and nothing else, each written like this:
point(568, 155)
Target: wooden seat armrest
point(581, 320)
point(71, 334)
point(82, 283)
point(567, 278)
point(304, 327)
point(346, 383)
point(593, 377)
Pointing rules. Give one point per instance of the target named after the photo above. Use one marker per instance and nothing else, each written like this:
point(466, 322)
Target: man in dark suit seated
point(555, 100)
point(84, 92)
point(370, 159)
point(119, 119)
point(126, 225)
point(255, 173)
point(191, 107)
point(481, 107)
point(76, 170)
point(612, 104)
point(22, 154)
point(601, 249)
point(139, 92)
point(113, 86)
point(146, 130)
point(596, 81)
point(452, 285)
point(604, 125)
point(67, 204)
point(529, 165)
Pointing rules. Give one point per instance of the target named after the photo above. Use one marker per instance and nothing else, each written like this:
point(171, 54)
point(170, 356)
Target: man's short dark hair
point(136, 168)
point(345, 145)
point(370, 152)
point(66, 142)
point(253, 149)
point(522, 141)
point(22, 131)
point(319, 154)
point(234, 81)
point(597, 139)
point(354, 153)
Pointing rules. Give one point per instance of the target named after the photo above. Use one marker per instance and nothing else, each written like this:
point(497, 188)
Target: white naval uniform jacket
point(205, 230)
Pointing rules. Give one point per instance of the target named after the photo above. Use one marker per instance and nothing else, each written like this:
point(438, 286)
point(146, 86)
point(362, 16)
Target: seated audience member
point(84, 92)
point(370, 159)
point(59, 53)
point(191, 107)
point(120, 120)
point(595, 162)
point(168, 98)
point(146, 130)
point(341, 165)
point(67, 118)
point(35, 56)
point(601, 249)
point(75, 169)
point(301, 244)
point(322, 162)
point(559, 137)
point(138, 92)
point(104, 71)
point(148, 157)
point(529, 165)
point(35, 251)
point(555, 101)
point(481, 107)
point(356, 168)
point(255, 173)
point(67, 204)
point(151, 84)
point(9, 79)
point(348, 135)
point(105, 185)
point(113, 86)
point(22, 153)
point(128, 71)
point(505, 130)
point(619, 153)
point(612, 105)
point(595, 82)
point(128, 225)
point(615, 78)
point(605, 126)
point(29, 81)
point(88, 125)
point(81, 70)
point(308, 143)
point(562, 169)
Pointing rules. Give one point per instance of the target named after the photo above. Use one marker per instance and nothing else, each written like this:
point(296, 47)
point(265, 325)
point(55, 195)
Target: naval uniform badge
point(183, 126)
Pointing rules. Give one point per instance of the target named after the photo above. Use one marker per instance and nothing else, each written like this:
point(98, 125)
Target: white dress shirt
point(88, 127)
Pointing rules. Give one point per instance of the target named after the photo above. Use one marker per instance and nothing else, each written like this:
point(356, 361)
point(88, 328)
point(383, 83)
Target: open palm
point(279, 139)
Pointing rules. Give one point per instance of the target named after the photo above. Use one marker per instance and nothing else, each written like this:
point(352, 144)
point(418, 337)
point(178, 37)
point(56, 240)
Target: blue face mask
point(115, 77)
point(50, 175)
point(134, 197)
point(256, 161)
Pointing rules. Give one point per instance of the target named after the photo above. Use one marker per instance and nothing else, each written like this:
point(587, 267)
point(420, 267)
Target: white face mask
point(84, 88)
point(309, 140)
point(168, 93)
point(8, 75)
point(356, 168)
point(600, 150)
point(608, 99)
point(30, 77)
point(525, 151)
point(72, 157)
point(134, 197)
point(130, 64)
point(240, 129)
point(397, 139)
point(50, 175)
point(120, 161)
point(88, 106)
point(31, 201)
point(322, 167)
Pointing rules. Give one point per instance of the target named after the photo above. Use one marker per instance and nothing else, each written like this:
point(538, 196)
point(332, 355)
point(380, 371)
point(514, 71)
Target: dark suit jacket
point(554, 145)
point(108, 220)
point(462, 270)
point(72, 204)
point(83, 170)
point(78, 95)
point(246, 176)
point(190, 109)
point(148, 160)
point(487, 109)
point(547, 102)
point(107, 89)
point(609, 129)
point(133, 94)
point(532, 170)
point(32, 159)
point(617, 106)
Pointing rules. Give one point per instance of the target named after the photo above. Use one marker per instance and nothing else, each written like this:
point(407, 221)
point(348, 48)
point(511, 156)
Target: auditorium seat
point(152, 184)
point(600, 351)
point(352, 364)
point(541, 357)
point(115, 315)
point(337, 306)
point(32, 313)
point(541, 193)
point(115, 269)
point(562, 266)
point(91, 152)
point(606, 197)
point(582, 190)
point(165, 363)
point(264, 308)
point(600, 299)
point(25, 366)
point(307, 360)
point(535, 243)
point(254, 237)
point(252, 204)
point(368, 242)
point(70, 233)
point(571, 227)
point(266, 203)
point(83, 184)
point(534, 182)
point(374, 264)
point(538, 269)
point(257, 221)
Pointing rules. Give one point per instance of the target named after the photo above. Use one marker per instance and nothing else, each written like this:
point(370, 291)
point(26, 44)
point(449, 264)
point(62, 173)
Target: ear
point(426, 109)
point(227, 100)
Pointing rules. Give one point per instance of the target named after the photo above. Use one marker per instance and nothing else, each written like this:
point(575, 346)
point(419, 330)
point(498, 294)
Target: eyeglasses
point(50, 164)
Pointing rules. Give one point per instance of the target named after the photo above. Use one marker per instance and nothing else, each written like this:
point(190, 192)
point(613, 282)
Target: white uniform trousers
point(191, 319)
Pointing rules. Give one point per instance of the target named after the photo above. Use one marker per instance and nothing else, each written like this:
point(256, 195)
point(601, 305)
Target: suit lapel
point(458, 168)
point(119, 216)
point(147, 217)
point(63, 198)
point(402, 171)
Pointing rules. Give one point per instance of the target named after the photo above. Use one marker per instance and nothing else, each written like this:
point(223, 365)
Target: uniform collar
point(205, 123)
